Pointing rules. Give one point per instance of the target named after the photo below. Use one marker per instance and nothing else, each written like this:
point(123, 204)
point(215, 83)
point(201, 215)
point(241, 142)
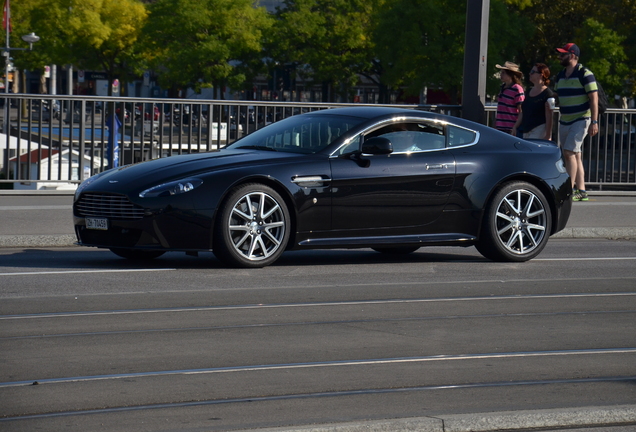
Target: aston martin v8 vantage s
point(389, 179)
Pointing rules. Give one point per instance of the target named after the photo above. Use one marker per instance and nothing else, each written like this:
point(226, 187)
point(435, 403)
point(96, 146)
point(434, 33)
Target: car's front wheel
point(517, 223)
point(252, 227)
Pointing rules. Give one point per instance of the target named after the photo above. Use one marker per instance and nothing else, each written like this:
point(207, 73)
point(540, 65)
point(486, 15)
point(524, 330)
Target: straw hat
point(511, 67)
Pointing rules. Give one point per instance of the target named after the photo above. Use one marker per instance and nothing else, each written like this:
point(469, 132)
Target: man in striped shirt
point(578, 102)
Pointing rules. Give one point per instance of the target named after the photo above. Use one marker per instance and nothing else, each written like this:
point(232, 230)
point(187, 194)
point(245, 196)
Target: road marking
point(316, 304)
point(314, 323)
point(601, 203)
point(84, 272)
point(587, 259)
point(337, 363)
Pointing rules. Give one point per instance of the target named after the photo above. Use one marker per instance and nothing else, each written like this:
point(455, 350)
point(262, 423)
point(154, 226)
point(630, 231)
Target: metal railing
point(51, 142)
point(58, 141)
point(609, 158)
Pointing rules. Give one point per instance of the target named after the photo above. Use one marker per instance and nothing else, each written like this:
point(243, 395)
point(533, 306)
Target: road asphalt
point(30, 220)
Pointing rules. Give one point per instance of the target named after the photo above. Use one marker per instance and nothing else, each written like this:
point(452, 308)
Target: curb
point(606, 233)
point(20, 241)
point(622, 415)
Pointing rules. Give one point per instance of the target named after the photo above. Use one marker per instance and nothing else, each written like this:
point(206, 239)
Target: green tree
point(89, 34)
point(203, 43)
point(602, 46)
point(625, 23)
point(331, 40)
point(601, 30)
point(22, 24)
point(421, 42)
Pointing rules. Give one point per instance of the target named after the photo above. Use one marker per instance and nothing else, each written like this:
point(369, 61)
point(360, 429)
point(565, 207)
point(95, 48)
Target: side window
point(458, 136)
point(430, 136)
point(352, 146)
point(412, 137)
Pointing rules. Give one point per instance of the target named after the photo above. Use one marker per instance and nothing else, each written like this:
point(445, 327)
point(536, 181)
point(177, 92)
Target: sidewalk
point(593, 419)
point(46, 220)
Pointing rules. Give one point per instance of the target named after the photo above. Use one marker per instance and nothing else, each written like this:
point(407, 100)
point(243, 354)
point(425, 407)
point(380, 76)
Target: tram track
point(333, 394)
point(144, 350)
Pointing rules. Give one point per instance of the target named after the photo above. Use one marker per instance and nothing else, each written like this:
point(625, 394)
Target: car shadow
point(81, 258)
point(368, 256)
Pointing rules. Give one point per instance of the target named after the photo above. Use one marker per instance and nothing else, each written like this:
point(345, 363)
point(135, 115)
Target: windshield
point(305, 133)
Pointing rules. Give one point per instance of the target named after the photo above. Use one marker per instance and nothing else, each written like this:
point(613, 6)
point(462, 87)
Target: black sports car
point(389, 179)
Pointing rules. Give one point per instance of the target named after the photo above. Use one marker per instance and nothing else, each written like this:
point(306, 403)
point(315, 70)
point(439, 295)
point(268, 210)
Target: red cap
point(570, 48)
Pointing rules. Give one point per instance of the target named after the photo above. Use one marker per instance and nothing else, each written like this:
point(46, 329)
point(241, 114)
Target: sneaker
point(580, 195)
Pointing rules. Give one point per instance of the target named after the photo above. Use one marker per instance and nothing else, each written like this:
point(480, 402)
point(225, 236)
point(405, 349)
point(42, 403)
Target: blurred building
point(270, 5)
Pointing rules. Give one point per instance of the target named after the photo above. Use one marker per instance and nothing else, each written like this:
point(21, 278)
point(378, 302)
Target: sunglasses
point(563, 55)
point(532, 72)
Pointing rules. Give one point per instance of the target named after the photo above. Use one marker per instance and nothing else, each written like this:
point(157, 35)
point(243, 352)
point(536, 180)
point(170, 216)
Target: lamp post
point(475, 60)
point(30, 39)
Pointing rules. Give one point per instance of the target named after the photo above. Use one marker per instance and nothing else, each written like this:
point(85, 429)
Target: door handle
point(436, 166)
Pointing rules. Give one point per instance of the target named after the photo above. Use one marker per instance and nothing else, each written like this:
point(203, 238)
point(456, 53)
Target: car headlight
point(560, 165)
point(172, 188)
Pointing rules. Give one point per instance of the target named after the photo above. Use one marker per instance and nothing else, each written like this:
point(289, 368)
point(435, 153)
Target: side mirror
point(377, 146)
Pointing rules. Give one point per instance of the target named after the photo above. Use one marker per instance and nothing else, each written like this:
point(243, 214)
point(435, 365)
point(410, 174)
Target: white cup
point(552, 103)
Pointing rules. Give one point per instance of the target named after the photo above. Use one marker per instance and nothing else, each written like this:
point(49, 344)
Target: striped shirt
point(508, 103)
point(574, 101)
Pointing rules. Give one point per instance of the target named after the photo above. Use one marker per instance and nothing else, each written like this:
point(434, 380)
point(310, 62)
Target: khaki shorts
point(571, 136)
point(536, 133)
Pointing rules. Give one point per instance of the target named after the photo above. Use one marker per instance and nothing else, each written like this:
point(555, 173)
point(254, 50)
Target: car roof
point(370, 112)
point(384, 112)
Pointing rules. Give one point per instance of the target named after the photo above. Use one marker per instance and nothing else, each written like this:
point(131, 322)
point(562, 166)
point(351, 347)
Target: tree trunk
point(43, 87)
point(16, 81)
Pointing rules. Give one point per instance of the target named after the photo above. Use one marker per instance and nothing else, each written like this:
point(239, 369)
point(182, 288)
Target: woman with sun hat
point(510, 97)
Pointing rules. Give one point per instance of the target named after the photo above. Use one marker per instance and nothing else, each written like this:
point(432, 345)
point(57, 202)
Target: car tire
point(252, 228)
point(399, 250)
point(136, 254)
point(517, 223)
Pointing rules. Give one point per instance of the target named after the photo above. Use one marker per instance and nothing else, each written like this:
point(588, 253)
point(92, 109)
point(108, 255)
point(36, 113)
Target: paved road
point(323, 338)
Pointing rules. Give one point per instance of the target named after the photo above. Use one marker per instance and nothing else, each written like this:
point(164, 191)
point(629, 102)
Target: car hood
point(149, 173)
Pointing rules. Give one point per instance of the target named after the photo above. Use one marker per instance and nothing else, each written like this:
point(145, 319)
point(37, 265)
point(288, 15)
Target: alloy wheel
point(256, 226)
point(521, 221)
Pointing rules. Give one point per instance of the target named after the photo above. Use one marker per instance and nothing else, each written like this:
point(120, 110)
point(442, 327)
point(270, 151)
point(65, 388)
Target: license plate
point(97, 223)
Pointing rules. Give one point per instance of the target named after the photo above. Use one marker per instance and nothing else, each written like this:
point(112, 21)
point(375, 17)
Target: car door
point(396, 193)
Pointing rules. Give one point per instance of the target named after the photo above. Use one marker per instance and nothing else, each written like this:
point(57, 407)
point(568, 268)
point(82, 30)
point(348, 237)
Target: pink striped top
point(508, 104)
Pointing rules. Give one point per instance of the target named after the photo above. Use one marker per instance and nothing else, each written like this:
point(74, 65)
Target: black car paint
point(361, 207)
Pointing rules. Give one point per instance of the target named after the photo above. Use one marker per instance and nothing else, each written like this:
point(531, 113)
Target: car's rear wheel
point(517, 223)
point(400, 250)
point(252, 228)
point(136, 254)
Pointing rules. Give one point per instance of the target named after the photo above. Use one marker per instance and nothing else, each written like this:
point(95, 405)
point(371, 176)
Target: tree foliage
point(91, 34)
point(332, 37)
point(599, 29)
point(200, 43)
point(396, 43)
point(422, 41)
point(22, 17)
